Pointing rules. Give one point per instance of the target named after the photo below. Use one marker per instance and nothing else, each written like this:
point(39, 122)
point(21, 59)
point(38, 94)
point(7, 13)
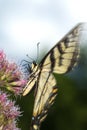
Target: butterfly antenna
point(30, 57)
point(37, 51)
point(27, 62)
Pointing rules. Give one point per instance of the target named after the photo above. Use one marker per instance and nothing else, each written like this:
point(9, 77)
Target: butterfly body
point(60, 59)
point(32, 78)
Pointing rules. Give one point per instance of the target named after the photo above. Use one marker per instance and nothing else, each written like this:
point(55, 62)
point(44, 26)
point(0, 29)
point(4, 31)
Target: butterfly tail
point(35, 124)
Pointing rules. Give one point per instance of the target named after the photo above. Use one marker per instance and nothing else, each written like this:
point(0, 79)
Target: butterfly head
point(33, 65)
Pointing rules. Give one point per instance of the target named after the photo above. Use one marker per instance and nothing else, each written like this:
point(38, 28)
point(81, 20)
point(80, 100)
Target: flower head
point(8, 113)
point(11, 77)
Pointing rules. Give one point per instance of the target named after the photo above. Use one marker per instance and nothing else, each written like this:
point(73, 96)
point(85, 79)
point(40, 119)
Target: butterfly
point(60, 59)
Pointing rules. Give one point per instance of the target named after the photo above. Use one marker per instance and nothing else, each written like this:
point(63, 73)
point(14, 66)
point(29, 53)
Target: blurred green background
point(69, 111)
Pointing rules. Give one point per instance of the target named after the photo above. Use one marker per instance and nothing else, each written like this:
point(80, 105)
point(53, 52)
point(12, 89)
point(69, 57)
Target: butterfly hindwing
point(46, 93)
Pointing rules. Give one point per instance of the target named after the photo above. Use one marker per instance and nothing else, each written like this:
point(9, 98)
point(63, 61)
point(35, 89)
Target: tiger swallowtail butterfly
point(60, 59)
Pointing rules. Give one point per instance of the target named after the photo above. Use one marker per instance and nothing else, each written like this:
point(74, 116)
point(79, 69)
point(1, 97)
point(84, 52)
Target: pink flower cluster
point(10, 75)
point(8, 113)
point(11, 79)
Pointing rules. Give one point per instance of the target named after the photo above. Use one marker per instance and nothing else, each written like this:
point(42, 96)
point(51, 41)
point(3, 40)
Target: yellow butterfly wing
point(64, 55)
point(60, 59)
point(44, 98)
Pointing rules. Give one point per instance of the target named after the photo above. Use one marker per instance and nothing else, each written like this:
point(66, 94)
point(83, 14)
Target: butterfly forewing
point(64, 55)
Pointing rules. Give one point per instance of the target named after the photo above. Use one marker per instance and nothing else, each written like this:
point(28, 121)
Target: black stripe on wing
point(67, 46)
point(52, 60)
